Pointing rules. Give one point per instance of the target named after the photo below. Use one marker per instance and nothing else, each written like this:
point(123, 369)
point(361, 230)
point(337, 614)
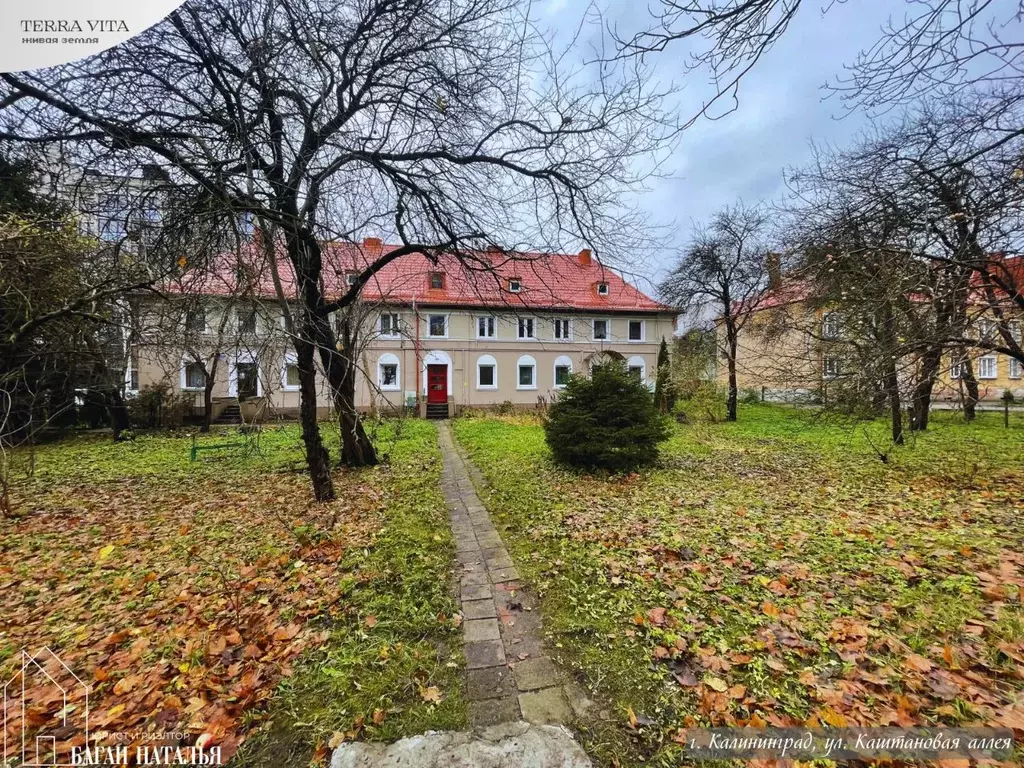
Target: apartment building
point(437, 336)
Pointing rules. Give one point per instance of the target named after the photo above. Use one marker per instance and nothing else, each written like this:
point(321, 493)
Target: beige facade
point(488, 357)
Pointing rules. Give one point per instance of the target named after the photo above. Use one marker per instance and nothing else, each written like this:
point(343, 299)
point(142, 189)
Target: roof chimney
point(585, 258)
point(373, 243)
point(773, 265)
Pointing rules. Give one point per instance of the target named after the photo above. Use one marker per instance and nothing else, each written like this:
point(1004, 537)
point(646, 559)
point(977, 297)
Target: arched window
point(563, 370)
point(526, 373)
point(637, 367)
point(830, 325)
point(389, 373)
point(486, 372)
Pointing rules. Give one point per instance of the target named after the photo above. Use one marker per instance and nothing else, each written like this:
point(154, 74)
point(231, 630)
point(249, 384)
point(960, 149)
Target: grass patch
point(216, 598)
point(774, 571)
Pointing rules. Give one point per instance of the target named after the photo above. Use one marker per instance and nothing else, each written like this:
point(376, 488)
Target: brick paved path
point(508, 675)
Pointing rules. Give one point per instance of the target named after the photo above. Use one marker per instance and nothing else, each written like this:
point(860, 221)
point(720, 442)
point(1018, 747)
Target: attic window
point(437, 281)
point(515, 285)
point(352, 277)
point(602, 289)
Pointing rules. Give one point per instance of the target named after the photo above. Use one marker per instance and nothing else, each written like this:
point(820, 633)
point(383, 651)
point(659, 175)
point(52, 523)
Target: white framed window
point(112, 218)
point(246, 223)
point(244, 380)
point(1014, 328)
point(485, 327)
point(437, 281)
point(562, 328)
point(637, 368)
point(193, 376)
point(986, 329)
point(602, 289)
point(527, 328)
point(351, 278)
point(390, 324)
point(830, 325)
point(515, 285)
point(988, 367)
point(526, 373)
point(131, 377)
point(637, 330)
point(486, 372)
point(1015, 368)
point(831, 367)
point(290, 373)
point(956, 369)
point(195, 320)
point(388, 373)
point(563, 370)
point(246, 317)
point(437, 326)
point(599, 330)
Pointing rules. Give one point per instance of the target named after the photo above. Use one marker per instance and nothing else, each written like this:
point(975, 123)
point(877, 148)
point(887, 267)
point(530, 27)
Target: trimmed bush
point(608, 421)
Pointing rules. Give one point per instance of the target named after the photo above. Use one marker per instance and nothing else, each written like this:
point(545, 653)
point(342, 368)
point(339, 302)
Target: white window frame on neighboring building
point(831, 362)
point(185, 363)
point(196, 313)
point(515, 285)
point(1014, 327)
point(607, 329)
point(1015, 368)
point(638, 362)
point(487, 361)
point(602, 289)
point(242, 315)
point(830, 325)
point(643, 331)
point(395, 323)
point(389, 359)
point(129, 370)
point(562, 361)
point(529, 323)
point(956, 369)
point(566, 325)
point(490, 322)
point(526, 361)
point(291, 360)
point(984, 362)
point(446, 319)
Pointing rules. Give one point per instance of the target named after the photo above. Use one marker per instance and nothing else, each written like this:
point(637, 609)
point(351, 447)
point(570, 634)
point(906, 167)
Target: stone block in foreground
point(508, 745)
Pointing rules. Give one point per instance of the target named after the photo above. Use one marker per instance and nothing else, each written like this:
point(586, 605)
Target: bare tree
point(932, 49)
point(446, 127)
point(725, 272)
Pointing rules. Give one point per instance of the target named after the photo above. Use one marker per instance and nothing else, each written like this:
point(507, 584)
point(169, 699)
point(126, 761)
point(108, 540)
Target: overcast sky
point(782, 107)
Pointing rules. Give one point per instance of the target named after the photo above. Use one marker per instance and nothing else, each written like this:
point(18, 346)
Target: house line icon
point(42, 750)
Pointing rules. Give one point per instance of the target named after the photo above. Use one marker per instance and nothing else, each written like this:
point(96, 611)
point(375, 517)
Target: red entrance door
point(437, 383)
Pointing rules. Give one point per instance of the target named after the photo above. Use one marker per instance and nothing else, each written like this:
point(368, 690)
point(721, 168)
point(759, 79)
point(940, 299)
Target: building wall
point(459, 349)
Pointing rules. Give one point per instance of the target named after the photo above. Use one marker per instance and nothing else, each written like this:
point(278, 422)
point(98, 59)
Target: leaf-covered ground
point(775, 572)
point(216, 600)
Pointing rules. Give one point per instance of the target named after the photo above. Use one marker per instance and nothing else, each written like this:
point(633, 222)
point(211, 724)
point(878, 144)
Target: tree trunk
point(120, 421)
point(931, 361)
point(972, 395)
point(207, 405)
point(730, 411)
point(318, 460)
point(891, 377)
point(357, 449)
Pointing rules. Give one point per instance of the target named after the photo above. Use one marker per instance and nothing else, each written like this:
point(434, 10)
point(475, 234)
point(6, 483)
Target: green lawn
point(216, 598)
point(774, 571)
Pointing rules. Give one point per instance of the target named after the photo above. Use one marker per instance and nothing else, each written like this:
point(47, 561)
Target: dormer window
point(515, 285)
point(437, 281)
point(351, 277)
point(602, 289)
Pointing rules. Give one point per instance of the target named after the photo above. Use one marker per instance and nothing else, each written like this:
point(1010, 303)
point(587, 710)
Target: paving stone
point(475, 566)
point(476, 591)
point(486, 540)
point(478, 609)
point(547, 705)
point(489, 683)
point(472, 579)
point(499, 575)
point(519, 623)
point(485, 653)
point(493, 552)
point(522, 648)
point(498, 561)
point(469, 556)
point(492, 712)
point(467, 545)
point(480, 629)
point(536, 673)
point(581, 704)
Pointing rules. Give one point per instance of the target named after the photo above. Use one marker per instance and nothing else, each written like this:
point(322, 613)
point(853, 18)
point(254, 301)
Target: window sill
point(436, 337)
point(286, 388)
point(491, 388)
point(390, 389)
point(636, 341)
point(526, 388)
point(193, 389)
point(485, 338)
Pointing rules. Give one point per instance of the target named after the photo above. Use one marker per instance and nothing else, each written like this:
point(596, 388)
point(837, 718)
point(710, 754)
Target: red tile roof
point(478, 279)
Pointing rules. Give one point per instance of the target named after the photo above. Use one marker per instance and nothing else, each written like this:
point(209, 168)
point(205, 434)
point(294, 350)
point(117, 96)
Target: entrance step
point(437, 410)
